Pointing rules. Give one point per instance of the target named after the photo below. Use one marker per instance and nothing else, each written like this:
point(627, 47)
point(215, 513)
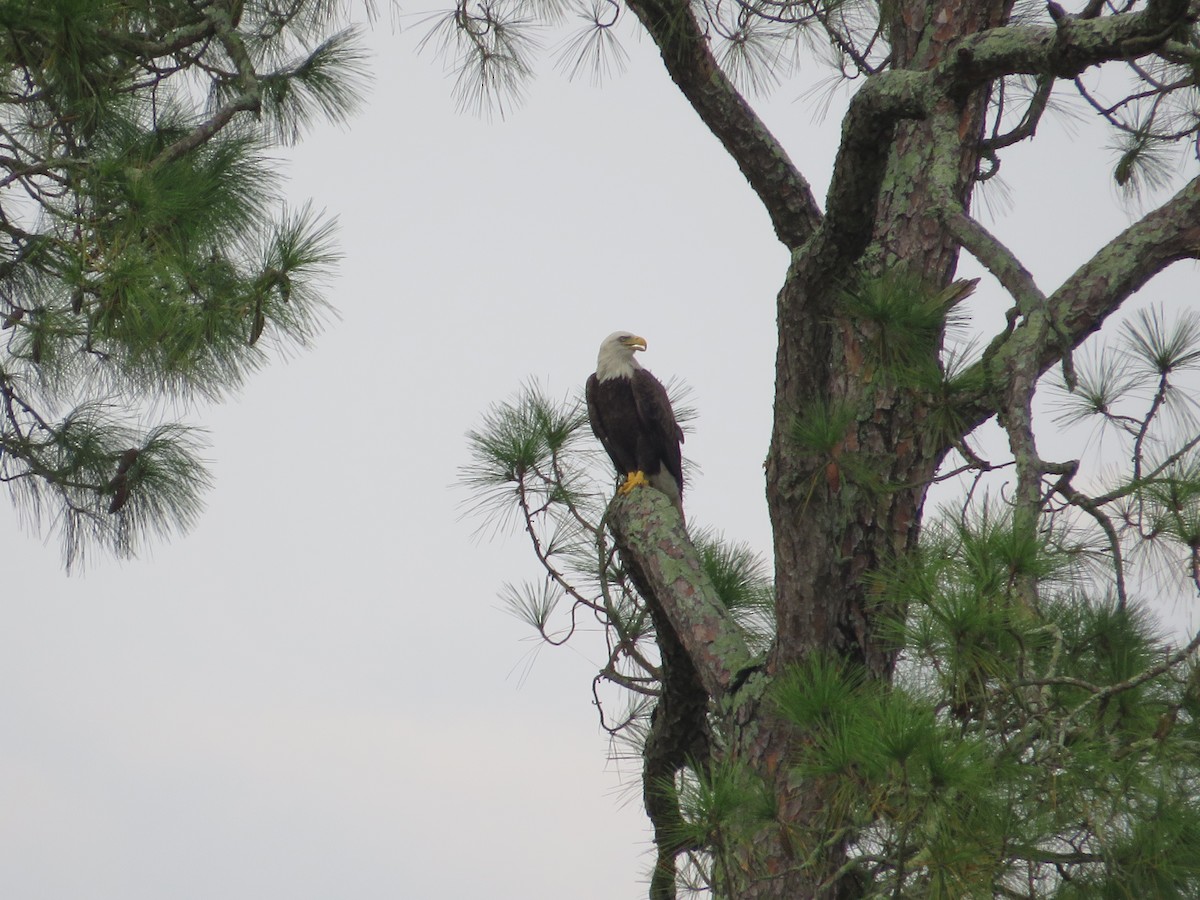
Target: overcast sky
point(315, 694)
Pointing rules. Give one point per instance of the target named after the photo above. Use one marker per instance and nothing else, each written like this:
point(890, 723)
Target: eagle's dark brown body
point(632, 417)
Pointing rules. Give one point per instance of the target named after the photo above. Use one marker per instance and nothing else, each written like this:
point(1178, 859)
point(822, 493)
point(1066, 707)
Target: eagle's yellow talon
point(632, 480)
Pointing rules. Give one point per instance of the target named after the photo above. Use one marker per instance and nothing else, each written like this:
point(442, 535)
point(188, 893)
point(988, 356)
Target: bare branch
point(1096, 511)
point(1095, 291)
point(996, 258)
point(1164, 236)
point(1027, 127)
point(685, 50)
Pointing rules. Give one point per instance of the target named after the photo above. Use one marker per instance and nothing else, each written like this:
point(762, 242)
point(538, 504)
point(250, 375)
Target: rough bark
point(830, 530)
point(709, 675)
point(663, 563)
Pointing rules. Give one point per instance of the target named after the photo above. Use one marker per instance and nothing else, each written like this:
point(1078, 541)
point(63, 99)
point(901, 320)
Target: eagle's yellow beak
point(637, 343)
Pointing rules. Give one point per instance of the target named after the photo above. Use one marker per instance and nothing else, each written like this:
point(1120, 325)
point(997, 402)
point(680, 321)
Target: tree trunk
point(838, 515)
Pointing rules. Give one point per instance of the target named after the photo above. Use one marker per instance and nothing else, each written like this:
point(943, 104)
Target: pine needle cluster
point(145, 252)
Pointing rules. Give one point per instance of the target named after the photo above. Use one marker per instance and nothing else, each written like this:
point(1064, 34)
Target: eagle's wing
point(654, 410)
point(597, 420)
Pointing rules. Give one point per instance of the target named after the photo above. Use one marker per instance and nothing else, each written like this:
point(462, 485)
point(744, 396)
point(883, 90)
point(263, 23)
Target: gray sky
point(315, 694)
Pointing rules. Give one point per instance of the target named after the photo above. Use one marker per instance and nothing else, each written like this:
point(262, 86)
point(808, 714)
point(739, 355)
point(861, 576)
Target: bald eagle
point(632, 416)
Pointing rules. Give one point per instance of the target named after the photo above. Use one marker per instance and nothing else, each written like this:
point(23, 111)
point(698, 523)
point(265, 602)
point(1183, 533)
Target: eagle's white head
point(616, 355)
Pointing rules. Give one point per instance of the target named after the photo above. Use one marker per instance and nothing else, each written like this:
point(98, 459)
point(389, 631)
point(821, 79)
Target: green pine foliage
point(1048, 750)
point(906, 333)
point(902, 323)
point(821, 428)
point(742, 581)
point(146, 253)
point(717, 803)
point(1018, 750)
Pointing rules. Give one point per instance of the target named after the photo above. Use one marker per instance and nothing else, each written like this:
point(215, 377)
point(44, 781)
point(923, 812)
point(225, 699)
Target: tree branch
point(678, 735)
point(685, 50)
point(1096, 511)
point(886, 99)
point(248, 100)
point(1095, 291)
point(666, 568)
point(1162, 237)
point(1063, 50)
point(147, 46)
point(1027, 127)
point(996, 258)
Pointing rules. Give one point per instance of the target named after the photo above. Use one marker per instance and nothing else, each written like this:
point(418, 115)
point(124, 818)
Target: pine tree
point(973, 703)
point(146, 255)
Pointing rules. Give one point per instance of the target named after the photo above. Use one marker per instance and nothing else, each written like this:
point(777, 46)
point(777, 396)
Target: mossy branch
point(1094, 292)
point(1062, 50)
point(668, 571)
